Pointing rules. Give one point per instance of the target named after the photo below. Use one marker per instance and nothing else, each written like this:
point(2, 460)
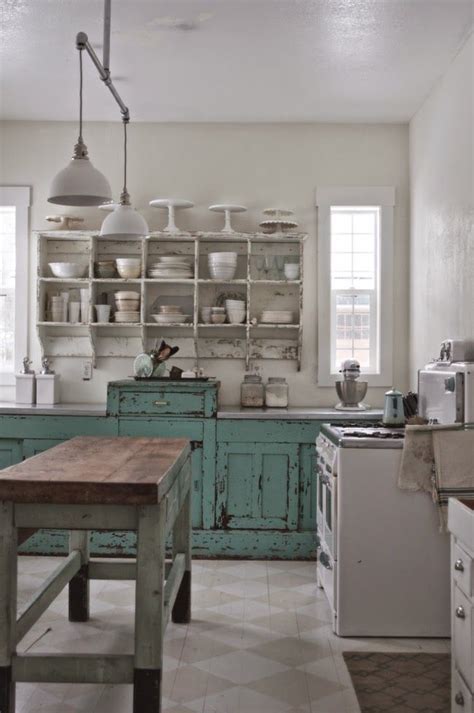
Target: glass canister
point(251, 391)
point(276, 392)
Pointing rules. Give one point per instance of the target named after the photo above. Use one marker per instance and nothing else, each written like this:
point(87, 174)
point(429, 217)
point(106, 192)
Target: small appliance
point(351, 391)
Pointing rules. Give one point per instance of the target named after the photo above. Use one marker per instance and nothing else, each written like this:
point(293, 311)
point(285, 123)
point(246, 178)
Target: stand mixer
point(351, 391)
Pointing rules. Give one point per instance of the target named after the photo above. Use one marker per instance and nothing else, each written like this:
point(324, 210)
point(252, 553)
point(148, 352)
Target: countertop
point(294, 413)
point(298, 413)
point(13, 409)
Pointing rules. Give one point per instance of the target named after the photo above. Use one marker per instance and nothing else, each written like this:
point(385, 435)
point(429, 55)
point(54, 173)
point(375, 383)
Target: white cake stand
point(227, 209)
point(171, 204)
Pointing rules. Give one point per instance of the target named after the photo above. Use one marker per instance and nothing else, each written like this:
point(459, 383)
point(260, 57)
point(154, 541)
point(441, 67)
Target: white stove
point(382, 562)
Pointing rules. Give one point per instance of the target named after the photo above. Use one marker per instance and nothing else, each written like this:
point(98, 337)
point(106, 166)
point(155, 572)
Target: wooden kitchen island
point(88, 483)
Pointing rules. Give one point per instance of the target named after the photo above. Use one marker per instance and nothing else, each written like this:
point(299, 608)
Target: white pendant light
point(124, 221)
point(80, 184)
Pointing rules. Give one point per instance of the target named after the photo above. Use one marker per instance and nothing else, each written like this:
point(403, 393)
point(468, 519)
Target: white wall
point(442, 236)
point(259, 165)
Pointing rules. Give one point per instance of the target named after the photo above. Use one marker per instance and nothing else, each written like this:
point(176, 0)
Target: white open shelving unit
point(197, 341)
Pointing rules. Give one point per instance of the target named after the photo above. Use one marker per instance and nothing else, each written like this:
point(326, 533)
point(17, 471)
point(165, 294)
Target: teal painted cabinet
point(10, 452)
point(257, 486)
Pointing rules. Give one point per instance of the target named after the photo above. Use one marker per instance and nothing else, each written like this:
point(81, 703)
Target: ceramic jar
point(276, 392)
point(251, 391)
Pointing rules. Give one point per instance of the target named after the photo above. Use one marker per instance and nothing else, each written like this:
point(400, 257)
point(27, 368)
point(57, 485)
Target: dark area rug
point(400, 683)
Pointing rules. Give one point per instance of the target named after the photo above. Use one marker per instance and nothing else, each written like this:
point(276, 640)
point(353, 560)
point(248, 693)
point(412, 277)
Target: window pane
point(7, 287)
point(352, 329)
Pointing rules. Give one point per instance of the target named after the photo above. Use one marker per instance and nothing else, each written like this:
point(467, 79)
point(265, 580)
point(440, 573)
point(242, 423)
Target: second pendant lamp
point(124, 221)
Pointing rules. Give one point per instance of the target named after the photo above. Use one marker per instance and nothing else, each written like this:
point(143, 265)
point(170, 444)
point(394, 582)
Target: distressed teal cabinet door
point(10, 452)
point(257, 486)
point(32, 446)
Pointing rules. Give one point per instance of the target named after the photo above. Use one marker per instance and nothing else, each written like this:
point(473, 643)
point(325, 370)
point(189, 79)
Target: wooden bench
point(90, 483)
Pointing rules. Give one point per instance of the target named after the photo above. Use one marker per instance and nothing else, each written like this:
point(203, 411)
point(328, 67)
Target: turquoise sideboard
point(253, 473)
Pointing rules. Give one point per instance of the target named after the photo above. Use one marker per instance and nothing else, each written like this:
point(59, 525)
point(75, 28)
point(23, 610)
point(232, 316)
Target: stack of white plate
point(171, 314)
point(282, 316)
point(171, 267)
point(222, 266)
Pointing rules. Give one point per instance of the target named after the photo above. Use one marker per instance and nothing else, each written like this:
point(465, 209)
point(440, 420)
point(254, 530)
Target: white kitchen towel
point(417, 467)
point(454, 467)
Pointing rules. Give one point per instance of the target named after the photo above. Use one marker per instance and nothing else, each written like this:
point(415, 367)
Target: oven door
point(326, 507)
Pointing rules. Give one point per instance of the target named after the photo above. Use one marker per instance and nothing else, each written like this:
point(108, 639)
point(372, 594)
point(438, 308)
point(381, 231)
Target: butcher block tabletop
point(93, 470)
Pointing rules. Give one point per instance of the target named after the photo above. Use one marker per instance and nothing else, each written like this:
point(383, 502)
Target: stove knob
point(459, 566)
point(459, 699)
point(460, 613)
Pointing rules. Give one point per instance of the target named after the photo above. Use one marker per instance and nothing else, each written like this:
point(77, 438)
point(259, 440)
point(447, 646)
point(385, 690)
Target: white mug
point(74, 311)
point(103, 313)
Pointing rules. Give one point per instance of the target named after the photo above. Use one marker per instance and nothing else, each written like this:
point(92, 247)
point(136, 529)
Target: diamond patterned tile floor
point(260, 642)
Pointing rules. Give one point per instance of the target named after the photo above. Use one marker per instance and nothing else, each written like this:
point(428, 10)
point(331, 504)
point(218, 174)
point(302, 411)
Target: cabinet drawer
point(462, 569)
point(461, 698)
point(161, 402)
point(462, 635)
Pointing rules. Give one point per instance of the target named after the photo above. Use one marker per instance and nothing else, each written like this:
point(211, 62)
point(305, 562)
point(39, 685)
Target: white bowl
point(217, 318)
point(129, 273)
point(127, 295)
point(235, 304)
point(236, 316)
point(128, 261)
point(222, 273)
point(222, 256)
point(67, 269)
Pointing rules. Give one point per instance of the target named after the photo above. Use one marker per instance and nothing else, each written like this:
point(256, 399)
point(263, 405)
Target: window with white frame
point(14, 204)
point(355, 282)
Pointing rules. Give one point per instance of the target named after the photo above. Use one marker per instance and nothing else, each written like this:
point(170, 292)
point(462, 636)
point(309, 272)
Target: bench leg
point(8, 585)
point(181, 613)
point(149, 604)
point(79, 584)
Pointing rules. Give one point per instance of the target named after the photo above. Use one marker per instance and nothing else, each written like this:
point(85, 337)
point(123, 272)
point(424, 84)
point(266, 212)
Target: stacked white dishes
point(129, 267)
point(128, 306)
point(171, 314)
point(222, 266)
point(236, 311)
point(171, 267)
point(282, 316)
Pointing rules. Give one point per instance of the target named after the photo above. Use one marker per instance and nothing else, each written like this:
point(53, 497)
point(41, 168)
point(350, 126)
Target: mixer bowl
point(351, 393)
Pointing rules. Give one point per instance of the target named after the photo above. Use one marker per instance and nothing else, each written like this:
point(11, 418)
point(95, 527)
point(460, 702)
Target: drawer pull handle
point(459, 566)
point(459, 699)
point(460, 613)
point(161, 403)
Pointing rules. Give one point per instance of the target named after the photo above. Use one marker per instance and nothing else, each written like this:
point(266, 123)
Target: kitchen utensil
point(206, 314)
point(127, 295)
point(236, 316)
point(67, 270)
point(278, 220)
point(129, 268)
point(217, 318)
point(227, 209)
point(276, 317)
point(393, 413)
point(276, 392)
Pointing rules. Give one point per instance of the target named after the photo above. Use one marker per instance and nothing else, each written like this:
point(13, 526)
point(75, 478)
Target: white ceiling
point(231, 60)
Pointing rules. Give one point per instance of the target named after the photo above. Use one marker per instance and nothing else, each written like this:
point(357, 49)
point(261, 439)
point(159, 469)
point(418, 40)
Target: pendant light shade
point(79, 184)
point(124, 221)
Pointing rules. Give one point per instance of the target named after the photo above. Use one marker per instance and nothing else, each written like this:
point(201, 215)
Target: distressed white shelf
point(197, 340)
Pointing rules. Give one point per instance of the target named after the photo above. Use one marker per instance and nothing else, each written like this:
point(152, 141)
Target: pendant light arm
point(82, 43)
point(107, 26)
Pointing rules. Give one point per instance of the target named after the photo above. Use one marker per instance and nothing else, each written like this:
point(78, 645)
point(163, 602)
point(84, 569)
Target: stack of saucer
point(171, 267)
point(128, 306)
point(171, 314)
